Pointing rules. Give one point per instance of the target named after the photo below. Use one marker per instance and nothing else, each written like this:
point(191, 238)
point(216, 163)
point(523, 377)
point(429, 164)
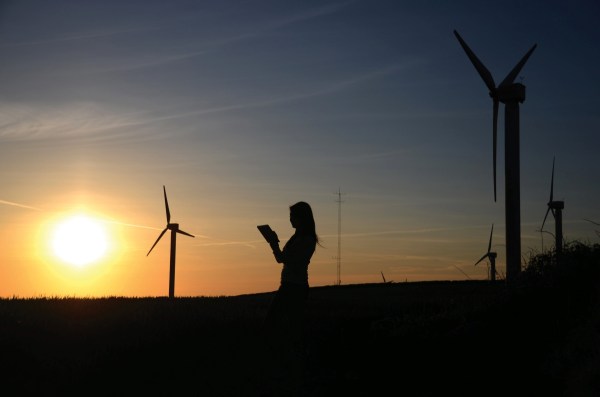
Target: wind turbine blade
point(156, 242)
point(545, 216)
point(513, 73)
point(167, 205)
point(490, 243)
point(182, 232)
point(482, 258)
point(495, 138)
point(481, 69)
point(552, 182)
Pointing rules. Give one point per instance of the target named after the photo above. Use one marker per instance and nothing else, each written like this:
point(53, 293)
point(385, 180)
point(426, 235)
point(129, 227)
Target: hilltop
point(424, 338)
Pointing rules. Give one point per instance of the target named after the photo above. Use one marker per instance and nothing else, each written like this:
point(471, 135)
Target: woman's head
point(301, 218)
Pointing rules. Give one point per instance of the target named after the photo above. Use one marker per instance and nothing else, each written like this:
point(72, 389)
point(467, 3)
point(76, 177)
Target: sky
point(368, 109)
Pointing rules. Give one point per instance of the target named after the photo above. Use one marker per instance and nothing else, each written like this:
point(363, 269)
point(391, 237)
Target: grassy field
point(416, 339)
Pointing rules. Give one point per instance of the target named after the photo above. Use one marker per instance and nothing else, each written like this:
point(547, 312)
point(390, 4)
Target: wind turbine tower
point(511, 94)
point(491, 256)
point(174, 228)
point(556, 208)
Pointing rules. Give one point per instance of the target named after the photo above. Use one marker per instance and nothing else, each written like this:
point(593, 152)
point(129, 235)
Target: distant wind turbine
point(174, 228)
point(511, 94)
point(491, 256)
point(384, 280)
point(542, 236)
point(556, 208)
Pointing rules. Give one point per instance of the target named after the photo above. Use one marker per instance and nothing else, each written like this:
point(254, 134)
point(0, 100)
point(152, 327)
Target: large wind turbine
point(510, 94)
point(174, 228)
point(491, 256)
point(556, 208)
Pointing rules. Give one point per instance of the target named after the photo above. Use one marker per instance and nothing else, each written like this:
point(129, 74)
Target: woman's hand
point(273, 238)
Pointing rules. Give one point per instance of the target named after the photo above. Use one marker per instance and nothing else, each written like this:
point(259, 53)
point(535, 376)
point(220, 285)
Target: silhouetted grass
point(538, 337)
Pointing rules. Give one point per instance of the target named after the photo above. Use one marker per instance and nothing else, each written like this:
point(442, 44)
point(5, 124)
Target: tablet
point(267, 232)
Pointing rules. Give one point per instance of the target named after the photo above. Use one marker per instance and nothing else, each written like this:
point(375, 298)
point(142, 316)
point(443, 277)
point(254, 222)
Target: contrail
point(248, 244)
point(139, 226)
point(129, 224)
point(20, 205)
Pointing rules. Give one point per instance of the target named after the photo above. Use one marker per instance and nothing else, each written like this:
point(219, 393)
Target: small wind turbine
point(384, 280)
point(174, 228)
point(556, 208)
point(491, 256)
point(511, 94)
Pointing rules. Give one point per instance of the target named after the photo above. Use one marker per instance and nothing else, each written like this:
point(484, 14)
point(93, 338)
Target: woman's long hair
point(304, 215)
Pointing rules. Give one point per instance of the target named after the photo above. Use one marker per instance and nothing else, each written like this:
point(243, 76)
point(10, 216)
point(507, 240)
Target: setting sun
point(79, 240)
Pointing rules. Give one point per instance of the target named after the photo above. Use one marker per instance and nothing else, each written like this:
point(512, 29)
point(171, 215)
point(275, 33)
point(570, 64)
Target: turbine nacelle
point(175, 228)
point(556, 205)
point(510, 93)
point(490, 255)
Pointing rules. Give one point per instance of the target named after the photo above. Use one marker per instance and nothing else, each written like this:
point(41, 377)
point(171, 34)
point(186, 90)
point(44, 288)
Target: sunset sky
point(242, 108)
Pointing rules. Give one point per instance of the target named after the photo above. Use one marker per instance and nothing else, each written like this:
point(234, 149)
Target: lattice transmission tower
point(339, 247)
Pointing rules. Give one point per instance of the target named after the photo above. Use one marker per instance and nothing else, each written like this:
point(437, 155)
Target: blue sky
point(242, 108)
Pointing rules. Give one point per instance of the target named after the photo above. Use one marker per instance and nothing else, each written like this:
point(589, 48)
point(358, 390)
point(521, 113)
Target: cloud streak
point(78, 37)
point(21, 122)
point(93, 121)
point(262, 28)
point(409, 232)
point(13, 204)
point(276, 100)
point(249, 244)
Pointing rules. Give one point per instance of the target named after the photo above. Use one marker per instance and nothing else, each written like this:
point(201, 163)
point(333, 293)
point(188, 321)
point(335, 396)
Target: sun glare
point(79, 240)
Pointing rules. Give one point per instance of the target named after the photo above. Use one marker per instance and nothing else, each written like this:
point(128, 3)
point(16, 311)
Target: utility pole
point(339, 248)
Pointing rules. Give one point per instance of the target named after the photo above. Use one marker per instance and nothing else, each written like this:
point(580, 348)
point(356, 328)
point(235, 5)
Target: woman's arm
point(277, 251)
point(297, 249)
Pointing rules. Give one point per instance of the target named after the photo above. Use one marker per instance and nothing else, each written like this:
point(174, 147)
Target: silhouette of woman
point(284, 323)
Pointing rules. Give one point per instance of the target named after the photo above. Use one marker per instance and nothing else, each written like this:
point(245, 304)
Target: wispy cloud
point(249, 244)
point(115, 222)
point(393, 258)
point(265, 27)
point(411, 232)
point(97, 122)
point(11, 203)
point(21, 122)
point(312, 13)
point(329, 89)
point(79, 36)
point(167, 55)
